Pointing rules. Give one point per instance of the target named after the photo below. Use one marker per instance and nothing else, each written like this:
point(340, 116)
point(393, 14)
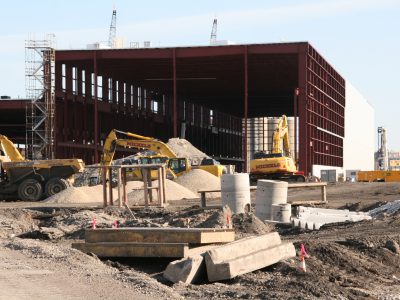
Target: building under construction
point(205, 94)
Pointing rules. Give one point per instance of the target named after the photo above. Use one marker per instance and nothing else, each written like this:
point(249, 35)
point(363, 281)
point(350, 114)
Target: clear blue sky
point(360, 38)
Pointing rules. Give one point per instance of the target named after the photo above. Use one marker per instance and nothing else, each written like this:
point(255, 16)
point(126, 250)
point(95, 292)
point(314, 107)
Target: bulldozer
point(279, 164)
point(176, 166)
point(31, 180)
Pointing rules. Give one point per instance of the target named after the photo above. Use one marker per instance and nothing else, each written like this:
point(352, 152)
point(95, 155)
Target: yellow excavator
point(279, 164)
point(30, 180)
point(177, 166)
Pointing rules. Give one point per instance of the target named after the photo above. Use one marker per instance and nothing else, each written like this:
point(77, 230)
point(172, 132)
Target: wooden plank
point(160, 235)
point(302, 202)
point(134, 249)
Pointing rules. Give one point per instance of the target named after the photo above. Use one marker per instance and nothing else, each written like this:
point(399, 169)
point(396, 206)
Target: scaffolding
point(40, 89)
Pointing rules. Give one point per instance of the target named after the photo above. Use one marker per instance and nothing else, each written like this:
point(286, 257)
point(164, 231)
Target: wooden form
point(161, 235)
point(122, 179)
point(134, 249)
point(152, 242)
point(322, 185)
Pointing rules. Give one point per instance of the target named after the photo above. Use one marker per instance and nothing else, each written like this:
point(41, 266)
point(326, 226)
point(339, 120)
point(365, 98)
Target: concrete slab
point(222, 268)
point(134, 249)
point(187, 270)
point(160, 235)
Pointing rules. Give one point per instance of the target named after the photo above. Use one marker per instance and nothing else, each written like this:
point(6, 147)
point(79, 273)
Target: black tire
point(55, 185)
point(30, 190)
point(300, 179)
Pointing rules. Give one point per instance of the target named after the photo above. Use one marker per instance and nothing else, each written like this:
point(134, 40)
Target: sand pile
point(198, 179)
point(94, 194)
point(184, 148)
point(84, 194)
point(173, 191)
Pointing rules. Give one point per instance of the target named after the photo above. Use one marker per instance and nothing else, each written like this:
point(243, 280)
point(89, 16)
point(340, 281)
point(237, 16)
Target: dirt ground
point(347, 260)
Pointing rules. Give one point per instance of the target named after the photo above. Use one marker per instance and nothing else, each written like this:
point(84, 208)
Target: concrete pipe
point(235, 192)
point(269, 192)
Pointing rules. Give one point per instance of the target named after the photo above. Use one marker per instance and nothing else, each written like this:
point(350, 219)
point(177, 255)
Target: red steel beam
point(96, 112)
point(174, 103)
point(246, 94)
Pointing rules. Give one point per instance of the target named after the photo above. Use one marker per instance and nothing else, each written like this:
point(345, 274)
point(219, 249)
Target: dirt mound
point(248, 224)
point(198, 179)
point(184, 148)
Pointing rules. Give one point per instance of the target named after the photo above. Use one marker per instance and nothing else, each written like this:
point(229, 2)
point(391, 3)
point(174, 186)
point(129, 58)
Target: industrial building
point(207, 95)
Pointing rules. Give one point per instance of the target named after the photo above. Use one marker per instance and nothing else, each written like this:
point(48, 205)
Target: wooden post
point(119, 187)
point(164, 176)
point(150, 183)
point(323, 191)
point(159, 190)
point(104, 181)
point(110, 191)
point(124, 195)
point(203, 199)
point(146, 195)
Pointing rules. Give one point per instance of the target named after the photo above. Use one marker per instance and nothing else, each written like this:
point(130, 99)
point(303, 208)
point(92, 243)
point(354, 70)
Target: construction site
point(203, 172)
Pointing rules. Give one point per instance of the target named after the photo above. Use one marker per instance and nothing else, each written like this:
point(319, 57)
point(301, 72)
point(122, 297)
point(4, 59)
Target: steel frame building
point(202, 92)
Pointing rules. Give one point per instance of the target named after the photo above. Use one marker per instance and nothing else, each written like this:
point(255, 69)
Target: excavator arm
point(132, 140)
point(9, 149)
point(281, 136)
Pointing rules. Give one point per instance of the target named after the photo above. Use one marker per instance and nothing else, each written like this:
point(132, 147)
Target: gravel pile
point(198, 179)
point(184, 148)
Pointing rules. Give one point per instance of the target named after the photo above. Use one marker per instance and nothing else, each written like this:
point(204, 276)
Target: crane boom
point(213, 37)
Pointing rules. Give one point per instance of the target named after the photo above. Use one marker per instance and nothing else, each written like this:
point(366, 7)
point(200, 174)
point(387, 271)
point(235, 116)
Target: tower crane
point(113, 28)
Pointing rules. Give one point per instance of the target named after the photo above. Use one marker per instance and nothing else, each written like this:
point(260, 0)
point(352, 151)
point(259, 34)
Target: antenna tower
point(213, 37)
point(113, 28)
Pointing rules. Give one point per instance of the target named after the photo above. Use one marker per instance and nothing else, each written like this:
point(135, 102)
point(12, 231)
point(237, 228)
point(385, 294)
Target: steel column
point(174, 102)
point(245, 108)
point(96, 121)
point(305, 150)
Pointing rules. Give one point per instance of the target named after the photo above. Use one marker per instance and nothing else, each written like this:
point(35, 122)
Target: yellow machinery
point(176, 165)
point(378, 176)
point(30, 180)
point(278, 164)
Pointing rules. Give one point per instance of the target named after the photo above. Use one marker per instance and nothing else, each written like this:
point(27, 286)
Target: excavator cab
point(178, 165)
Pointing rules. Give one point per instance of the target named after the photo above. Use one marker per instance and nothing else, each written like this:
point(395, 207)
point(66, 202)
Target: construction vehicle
point(177, 166)
point(279, 164)
point(30, 180)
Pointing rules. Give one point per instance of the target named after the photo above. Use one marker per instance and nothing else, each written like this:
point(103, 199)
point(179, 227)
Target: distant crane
point(382, 154)
point(113, 28)
point(213, 37)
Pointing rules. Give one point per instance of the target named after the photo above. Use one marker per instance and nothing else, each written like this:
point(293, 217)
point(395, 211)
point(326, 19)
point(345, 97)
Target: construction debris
point(186, 270)
point(387, 209)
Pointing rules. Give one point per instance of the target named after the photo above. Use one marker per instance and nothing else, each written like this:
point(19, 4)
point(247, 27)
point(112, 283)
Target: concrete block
point(187, 270)
point(222, 268)
point(244, 246)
